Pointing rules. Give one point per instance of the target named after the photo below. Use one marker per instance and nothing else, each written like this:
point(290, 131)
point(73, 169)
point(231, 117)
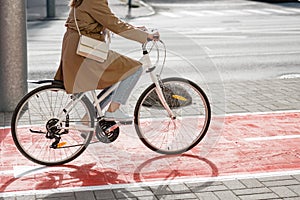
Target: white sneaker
point(118, 115)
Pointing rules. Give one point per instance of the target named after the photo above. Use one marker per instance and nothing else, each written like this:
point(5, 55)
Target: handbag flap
point(93, 43)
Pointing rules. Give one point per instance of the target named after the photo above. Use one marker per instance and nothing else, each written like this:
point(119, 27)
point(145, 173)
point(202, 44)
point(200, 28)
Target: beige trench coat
point(81, 74)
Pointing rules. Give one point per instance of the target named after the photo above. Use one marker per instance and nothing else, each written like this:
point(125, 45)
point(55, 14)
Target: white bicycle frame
point(96, 100)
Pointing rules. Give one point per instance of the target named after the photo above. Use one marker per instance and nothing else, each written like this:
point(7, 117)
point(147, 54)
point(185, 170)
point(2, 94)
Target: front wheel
point(37, 133)
point(163, 134)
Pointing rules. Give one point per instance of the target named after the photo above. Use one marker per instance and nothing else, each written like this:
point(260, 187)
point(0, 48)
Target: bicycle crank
point(107, 131)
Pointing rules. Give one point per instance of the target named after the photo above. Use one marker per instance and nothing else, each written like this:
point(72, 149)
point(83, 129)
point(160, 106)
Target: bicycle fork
point(155, 80)
point(161, 96)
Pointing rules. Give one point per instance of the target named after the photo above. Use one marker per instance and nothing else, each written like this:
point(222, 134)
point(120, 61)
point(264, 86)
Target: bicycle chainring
point(102, 131)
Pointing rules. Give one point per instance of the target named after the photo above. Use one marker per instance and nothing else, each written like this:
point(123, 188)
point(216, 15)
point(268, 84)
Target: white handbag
point(91, 48)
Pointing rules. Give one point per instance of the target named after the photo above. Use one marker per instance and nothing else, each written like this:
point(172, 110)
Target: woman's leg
point(124, 90)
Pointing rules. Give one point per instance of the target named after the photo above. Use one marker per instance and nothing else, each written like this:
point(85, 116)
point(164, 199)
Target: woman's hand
point(153, 36)
point(152, 33)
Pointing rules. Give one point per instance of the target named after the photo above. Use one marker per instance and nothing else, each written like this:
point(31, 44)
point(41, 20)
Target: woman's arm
point(101, 12)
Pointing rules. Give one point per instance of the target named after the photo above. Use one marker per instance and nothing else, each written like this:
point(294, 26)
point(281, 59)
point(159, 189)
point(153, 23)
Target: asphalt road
point(220, 40)
point(245, 40)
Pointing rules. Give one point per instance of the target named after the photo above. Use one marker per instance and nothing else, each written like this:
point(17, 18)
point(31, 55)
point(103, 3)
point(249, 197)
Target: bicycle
point(51, 127)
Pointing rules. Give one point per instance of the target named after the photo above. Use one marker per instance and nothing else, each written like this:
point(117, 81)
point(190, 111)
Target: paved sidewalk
point(241, 97)
point(281, 187)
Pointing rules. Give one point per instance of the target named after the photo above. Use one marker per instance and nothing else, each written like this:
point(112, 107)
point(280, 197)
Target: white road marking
point(220, 36)
point(293, 10)
point(289, 76)
point(277, 137)
point(257, 11)
point(211, 12)
point(277, 11)
point(6, 172)
point(21, 171)
point(193, 5)
point(195, 14)
point(253, 54)
point(168, 14)
point(265, 11)
point(262, 113)
point(235, 12)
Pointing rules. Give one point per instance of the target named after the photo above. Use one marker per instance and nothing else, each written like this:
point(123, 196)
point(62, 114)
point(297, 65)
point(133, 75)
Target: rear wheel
point(38, 136)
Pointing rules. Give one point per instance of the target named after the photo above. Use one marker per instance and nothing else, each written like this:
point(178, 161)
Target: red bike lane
point(247, 144)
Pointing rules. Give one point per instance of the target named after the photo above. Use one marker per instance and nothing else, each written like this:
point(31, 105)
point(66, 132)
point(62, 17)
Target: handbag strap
point(107, 31)
point(76, 22)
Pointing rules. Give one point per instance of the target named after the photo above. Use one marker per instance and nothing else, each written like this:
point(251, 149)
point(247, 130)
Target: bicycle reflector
point(181, 98)
point(61, 144)
point(176, 97)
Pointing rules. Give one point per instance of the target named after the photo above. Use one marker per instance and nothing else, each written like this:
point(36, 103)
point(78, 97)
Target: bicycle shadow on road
point(177, 180)
point(44, 178)
point(158, 175)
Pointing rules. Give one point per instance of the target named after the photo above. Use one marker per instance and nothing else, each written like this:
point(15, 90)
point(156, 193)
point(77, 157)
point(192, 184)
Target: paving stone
point(251, 183)
point(7, 198)
point(234, 184)
point(179, 188)
point(276, 178)
point(27, 197)
point(56, 195)
point(226, 195)
point(58, 198)
point(212, 188)
point(297, 177)
point(104, 194)
point(252, 191)
point(292, 198)
point(295, 188)
point(85, 195)
point(161, 190)
point(259, 196)
point(2, 120)
point(280, 183)
point(201, 185)
point(283, 191)
point(186, 196)
point(148, 198)
point(122, 193)
point(207, 196)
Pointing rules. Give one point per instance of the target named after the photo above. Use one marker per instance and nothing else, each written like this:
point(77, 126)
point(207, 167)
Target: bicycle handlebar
point(161, 52)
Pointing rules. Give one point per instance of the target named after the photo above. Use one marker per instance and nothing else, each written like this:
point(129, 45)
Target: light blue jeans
point(122, 93)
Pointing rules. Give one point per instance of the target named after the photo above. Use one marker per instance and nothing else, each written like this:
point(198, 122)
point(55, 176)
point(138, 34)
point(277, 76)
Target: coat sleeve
point(101, 12)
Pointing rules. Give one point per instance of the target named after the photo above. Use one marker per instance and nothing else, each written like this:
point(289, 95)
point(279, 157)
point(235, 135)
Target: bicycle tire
point(35, 111)
point(158, 131)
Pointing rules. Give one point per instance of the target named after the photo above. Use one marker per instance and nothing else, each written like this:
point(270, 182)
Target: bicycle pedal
point(111, 129)
point(107, 131)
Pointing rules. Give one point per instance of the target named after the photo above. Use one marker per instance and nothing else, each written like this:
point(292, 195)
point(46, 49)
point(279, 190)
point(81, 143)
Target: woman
point(81, 74)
